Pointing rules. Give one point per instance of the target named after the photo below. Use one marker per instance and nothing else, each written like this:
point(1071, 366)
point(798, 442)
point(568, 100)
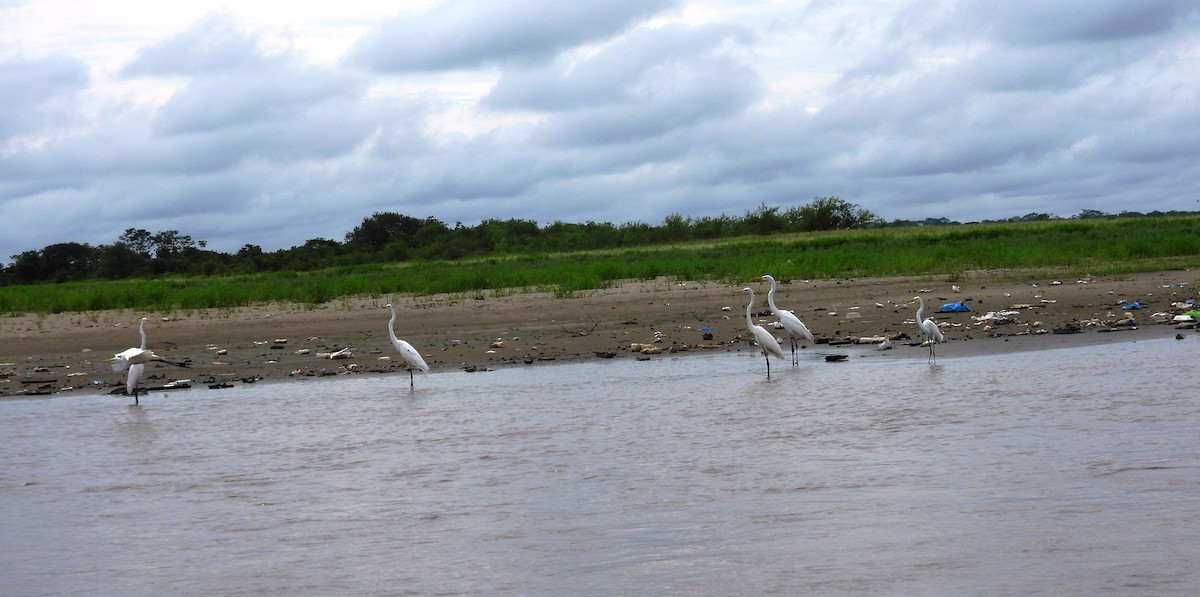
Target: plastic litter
point(958, 307)
point(997, 316)
point(1132, 306)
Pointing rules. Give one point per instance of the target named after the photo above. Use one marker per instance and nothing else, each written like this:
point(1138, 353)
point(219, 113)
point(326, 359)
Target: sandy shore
point(64, 353)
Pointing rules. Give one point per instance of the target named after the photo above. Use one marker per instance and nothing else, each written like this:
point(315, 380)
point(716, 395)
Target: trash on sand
point(958, 307)
point(1131, 306)
point(1068, 328)
point(870, 339)
point(344, 353)
point(997, 316)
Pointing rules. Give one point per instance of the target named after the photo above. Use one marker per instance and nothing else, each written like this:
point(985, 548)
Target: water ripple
point(1071, 471)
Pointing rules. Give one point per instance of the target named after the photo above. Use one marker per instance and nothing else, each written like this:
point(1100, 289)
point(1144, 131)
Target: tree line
point(392, 237)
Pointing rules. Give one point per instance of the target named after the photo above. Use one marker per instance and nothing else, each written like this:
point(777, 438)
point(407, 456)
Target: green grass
point(1100, 247)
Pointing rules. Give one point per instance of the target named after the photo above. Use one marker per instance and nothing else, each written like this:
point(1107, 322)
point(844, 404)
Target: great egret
point(120, 360)
point(795, 328)
point(134, 359)
point(766, 342)
point(135, 371)
point(411, 357)
point(933, 334)
point(139, 356)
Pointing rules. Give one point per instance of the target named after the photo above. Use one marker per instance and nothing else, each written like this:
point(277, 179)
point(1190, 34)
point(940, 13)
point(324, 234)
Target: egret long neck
point(920, 309)
point(391, 325)
point(771, 296)
point(749, 322)
point(142, 331)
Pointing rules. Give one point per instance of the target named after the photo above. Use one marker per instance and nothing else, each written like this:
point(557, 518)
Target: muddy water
point(1052, 472)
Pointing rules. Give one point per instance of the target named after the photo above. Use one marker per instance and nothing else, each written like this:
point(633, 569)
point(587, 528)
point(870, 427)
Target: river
point(1067, 471)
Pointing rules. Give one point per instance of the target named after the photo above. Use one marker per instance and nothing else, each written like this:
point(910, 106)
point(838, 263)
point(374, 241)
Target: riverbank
point(64, 352)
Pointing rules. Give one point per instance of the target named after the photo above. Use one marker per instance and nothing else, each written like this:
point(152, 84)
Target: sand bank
point(64, 352)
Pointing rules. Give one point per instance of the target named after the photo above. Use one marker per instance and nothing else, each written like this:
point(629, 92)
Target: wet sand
point(65, 352)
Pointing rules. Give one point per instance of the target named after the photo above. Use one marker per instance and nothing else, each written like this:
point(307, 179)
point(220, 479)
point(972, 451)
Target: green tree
point(427, 238)
point(718, 227)
point(764, 220)
point(139, 241)
point(27, 268)
point(1034, 217)
point(677, 228)
point(832, 213)
point(118, 261)
point(376, 231)
point(63, 262)
point(508, 236)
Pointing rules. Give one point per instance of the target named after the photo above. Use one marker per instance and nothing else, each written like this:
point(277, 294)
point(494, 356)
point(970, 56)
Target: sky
point(276, 122)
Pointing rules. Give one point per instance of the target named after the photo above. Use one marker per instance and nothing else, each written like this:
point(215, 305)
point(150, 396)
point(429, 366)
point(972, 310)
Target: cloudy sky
point(275, 122)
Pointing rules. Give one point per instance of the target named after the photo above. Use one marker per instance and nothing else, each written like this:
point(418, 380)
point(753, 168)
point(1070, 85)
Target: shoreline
point(63, 353)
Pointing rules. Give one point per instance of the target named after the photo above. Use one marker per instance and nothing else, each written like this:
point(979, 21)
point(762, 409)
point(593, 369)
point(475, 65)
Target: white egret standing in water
point(933, 334)
point(135, 371)
point(766, 342)
point(134, 359)
point(412, 359)
point(795, 328)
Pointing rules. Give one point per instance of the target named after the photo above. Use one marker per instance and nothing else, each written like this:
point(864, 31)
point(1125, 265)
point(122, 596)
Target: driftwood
point(595, 324)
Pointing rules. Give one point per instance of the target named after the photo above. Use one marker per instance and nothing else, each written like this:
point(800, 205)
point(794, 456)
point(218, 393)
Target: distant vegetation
point(390, 238)
point(569, 259)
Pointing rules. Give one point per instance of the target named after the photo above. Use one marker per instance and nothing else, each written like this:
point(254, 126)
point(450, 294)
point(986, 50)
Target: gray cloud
point(1052, 23)
point(966, 110)
point(37, 93)
point(625, 71)
point(214, 44)
point(461, 34)
point(639, 88)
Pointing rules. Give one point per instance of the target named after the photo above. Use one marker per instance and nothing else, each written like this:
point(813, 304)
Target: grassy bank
point(1074, 247)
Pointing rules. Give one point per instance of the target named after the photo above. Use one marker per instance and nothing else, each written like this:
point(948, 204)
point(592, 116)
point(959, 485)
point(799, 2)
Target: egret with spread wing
point(766, 342)
point(795, 328)
point(135, 371)
point(135, 359)
point(140, 356)
point(120, 360)
point(933, 334)
point(412, 359)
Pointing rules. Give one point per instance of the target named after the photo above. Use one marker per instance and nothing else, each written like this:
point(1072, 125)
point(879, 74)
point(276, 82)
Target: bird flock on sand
point(134, 359)
point(797, 331)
